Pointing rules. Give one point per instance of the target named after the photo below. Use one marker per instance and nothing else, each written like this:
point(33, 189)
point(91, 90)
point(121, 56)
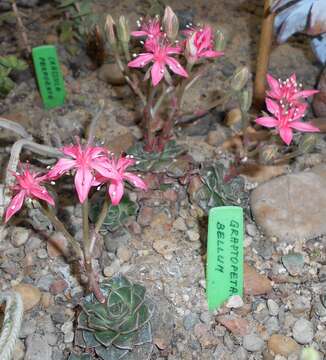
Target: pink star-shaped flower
point(151, 29)
point(200, 43)
point(287, 92)
point(159, 54)
point(28, 185)
point(117, 176)
point(286, 120)
point(86, 161)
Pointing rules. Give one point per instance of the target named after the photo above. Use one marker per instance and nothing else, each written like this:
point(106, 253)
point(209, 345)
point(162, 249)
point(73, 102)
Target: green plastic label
point(224, 270)
point(49, 76)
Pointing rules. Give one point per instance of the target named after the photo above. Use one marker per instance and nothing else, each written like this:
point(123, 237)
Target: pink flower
point(200, 43)
point(159, 54)
point(86, 162)
point(116, 177)
point(28, 185)
point(287, 92)
point(286, 120)
point(151, 29)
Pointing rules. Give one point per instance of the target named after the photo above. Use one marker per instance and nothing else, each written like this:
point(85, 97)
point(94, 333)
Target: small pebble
point(273, 307)
point(19, 236)
point(303, 331)
point(293, 263)
point(253, 342)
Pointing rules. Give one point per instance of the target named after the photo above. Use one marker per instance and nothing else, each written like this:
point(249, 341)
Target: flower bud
point(307, 143)
point(240, 78)
point(268, 154)
point(245, 100)
point(191, 49)
point(110, 30)
point(170, 24)
point(219, 41)
point(123, 30)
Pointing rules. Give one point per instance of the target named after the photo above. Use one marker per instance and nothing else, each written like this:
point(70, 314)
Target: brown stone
point(255, 283)
point(236, 324)
point(58, 286)
point(30, 294)
point(145, 216)
point(112, 74)
point(292, 207)
point(282, 345)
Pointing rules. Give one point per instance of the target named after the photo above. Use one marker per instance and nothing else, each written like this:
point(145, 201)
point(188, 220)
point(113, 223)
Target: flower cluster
point(159, 47)
point(92, 166)
point(285, 102)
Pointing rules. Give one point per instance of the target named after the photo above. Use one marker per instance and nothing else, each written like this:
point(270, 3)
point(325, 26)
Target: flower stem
point(92, 281)
point(86, 230)
point(59, 226)
point(102, 216)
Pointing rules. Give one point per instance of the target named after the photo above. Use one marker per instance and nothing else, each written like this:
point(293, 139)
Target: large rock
point(37, 348)
point(292, 206)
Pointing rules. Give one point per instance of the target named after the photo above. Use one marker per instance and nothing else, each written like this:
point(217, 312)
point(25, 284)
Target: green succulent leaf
point(122, 323)
point(155, 161)
point(12, 62)
point(116, 215)
point(106, 337)
point(111, 353)
point(6, 85)
point(215, 191)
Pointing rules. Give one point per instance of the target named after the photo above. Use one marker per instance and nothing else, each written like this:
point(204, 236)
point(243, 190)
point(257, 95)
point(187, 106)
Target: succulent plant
point(7, 64)
point(117, 328)
point(305, 16)
point(155, 161)
point(216, 191)
point(116, 215)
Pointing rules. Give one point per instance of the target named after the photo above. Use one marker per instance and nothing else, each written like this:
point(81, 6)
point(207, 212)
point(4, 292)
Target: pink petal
point(116, 192)
point(42, 194)
point(302, 126)
point(139, 33)
point(102, 166)
point(305, 93)
point(267, 121)
point(83, 182)
point(173, 50)
point(124, 162)
point(286, 135)
point(176, 67)
point(15, 205)
point(272, 106)
point(211, 54)
point(135, 180)
point(141, 60)
point(274, 85)
point(72, 150)
point(62, 166)
point(157, 72)
point(293, 78)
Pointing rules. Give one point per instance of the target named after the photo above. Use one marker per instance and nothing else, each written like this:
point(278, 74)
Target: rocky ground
point(163, 246)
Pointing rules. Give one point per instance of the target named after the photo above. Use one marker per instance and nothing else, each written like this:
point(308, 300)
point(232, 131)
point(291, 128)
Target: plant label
point(224, 272)
point(49, 76)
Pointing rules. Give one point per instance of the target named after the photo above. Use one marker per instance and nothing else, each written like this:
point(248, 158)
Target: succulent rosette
point(115, 328)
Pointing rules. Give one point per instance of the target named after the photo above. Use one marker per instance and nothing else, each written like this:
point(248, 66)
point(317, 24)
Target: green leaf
point(66, 31)
point(6, 85)
point(12, 62)
point(106, 337)
point(215, 191)
point(90, 339)
point(116, 215)
point(111, 353)
point(65, 3)
point(74, 356)
point(155, 161)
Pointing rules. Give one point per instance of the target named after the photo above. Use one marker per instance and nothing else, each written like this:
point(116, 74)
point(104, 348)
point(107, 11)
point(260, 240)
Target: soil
point(163, 245)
